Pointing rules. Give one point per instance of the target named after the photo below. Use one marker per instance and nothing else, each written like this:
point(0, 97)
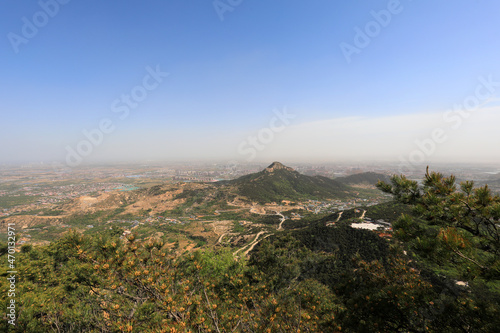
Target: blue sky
point(227, 76)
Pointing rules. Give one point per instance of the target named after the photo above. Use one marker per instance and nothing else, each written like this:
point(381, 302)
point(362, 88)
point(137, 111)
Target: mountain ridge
point(369, 178)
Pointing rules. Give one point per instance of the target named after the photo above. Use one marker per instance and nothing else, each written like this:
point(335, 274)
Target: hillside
point(365, 178)
point(278, 182)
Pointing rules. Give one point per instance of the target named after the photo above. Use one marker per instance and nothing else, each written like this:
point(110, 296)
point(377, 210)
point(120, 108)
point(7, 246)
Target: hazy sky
point(86, 81)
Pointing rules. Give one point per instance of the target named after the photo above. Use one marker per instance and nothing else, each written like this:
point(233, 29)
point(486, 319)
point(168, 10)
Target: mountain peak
point(277, 166)
point(278, 182)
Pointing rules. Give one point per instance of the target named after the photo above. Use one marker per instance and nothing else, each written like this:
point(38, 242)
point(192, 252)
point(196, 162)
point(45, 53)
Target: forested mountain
point(365, 178)
point(278, 182)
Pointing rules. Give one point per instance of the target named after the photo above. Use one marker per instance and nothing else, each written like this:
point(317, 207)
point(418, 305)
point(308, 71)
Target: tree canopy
point(451, 219)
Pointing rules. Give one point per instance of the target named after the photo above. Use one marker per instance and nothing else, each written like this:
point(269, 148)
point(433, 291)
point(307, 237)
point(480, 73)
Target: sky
point(411, 81)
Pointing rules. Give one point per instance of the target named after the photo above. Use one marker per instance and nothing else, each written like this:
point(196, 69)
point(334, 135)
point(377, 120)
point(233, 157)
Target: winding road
point(255, 243)
point(220, 238)
point(256, 240)
point(251, 244)
point(280, 227)
point(340, 215)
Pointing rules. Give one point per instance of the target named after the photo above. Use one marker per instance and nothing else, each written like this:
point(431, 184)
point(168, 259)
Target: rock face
point(277, 166)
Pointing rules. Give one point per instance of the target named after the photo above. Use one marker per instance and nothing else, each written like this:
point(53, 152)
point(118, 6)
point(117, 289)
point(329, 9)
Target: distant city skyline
point(414, 82)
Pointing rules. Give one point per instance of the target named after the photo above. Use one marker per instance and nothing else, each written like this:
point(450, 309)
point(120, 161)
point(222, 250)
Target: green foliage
point(321, 253)
point(118, 211)
point(82, 220)
point(26, 248)
point(154, 190)
point(453, 233)
point(266, 219)
point(344, 242)
point(237, 227)
point(3, 248)
point(307, 219)
point(102, 283)
point(281, 261)
point(388, 211)
point(462, 222)
point(384, 298)
point(54, 212)
point(17, 200)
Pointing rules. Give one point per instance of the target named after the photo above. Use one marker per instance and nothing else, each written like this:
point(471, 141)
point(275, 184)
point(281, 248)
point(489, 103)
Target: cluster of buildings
point(383, 228)
point(151, 219)
point(194, 179)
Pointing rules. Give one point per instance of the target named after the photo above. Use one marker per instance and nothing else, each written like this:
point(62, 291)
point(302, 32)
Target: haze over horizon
point(92, 82)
